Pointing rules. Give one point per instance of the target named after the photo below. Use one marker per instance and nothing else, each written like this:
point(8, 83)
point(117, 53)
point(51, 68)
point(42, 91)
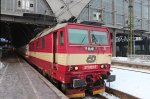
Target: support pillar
point(149, 15)
point(114, 42)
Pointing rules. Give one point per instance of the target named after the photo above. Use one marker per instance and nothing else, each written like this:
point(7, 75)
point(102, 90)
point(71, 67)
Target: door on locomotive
point(58, 47)
point(58, 44)
point(55, 41)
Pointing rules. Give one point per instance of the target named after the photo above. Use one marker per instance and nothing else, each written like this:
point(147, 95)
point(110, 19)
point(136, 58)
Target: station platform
point(18, 80)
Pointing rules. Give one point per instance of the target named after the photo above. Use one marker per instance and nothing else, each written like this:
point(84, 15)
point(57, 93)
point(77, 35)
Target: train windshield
point(78, 36)
point(98, 37)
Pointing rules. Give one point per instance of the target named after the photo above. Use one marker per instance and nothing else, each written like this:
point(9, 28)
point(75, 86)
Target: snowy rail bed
point(118, 94)
point(133, 63)
point(131, 60)
point(135, 83)
point(1, 65)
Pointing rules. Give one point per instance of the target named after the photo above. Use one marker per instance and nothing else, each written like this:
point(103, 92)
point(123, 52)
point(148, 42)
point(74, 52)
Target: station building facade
point(115, 15)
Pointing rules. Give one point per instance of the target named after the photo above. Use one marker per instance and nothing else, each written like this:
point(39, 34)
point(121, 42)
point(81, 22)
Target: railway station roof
point(65, 9)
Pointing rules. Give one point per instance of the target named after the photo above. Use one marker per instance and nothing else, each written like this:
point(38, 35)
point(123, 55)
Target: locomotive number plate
point(90, 67)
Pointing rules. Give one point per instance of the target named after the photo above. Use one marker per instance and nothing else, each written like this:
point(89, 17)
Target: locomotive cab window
point(61, 38)
point(78, 36)
point(98, 37)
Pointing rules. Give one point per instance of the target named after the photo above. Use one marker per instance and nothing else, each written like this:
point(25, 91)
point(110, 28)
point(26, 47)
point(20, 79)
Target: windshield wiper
point(94, 39)
point(83, 39)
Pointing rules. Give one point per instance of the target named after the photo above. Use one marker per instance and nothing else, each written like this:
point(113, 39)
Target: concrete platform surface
point(18, 80)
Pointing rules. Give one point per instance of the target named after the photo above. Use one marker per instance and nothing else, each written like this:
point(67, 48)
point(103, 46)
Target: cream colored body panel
point(72, 59)
point(104, 58)
point(42, 55)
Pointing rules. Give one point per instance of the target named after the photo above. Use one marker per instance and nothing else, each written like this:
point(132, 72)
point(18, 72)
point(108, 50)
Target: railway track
point(111, 94)
point(122, 68)
point(119, 94)
point(132, 65)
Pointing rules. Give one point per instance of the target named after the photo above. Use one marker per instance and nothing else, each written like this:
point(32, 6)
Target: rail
point(142, 57)
point(120, 94)
point(111, 94)
point(131, 65)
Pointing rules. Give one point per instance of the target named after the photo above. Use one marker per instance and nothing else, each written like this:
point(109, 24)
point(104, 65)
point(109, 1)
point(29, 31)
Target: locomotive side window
point(61, 38)
point(56, 37)
point(98, 37)
point(32, 46)
point(77, 36)
point(43, 42)
point(36, 45)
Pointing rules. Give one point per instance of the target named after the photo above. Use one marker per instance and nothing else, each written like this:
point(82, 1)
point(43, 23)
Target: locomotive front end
point(88, 60)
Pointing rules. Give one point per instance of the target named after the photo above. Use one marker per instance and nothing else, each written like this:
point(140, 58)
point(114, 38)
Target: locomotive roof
point(58, 26)
point(48, 30)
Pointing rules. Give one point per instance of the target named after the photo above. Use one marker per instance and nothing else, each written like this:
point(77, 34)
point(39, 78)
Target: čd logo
point(91, 59)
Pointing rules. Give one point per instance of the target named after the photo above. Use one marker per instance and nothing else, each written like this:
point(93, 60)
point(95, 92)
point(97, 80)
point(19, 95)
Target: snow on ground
point(108, 95)
point(131, 82)
point(122, 59)
point(128, 60)
point(1, 65)
point(131, 69)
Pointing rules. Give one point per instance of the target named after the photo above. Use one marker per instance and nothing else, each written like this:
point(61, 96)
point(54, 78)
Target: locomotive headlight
point(89, 49)
point(76, 68)
point(71, 68)
point(102, 66)
point(92, 48)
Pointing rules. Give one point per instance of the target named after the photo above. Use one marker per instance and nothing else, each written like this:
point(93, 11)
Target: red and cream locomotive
point(76, 56)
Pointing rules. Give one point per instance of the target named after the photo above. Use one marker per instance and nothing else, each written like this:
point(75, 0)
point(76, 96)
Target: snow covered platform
point(131, 81)
point(18, 80)
point(131, 60)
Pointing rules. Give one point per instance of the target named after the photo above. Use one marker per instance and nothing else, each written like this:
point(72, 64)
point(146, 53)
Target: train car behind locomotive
point(77, 57)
